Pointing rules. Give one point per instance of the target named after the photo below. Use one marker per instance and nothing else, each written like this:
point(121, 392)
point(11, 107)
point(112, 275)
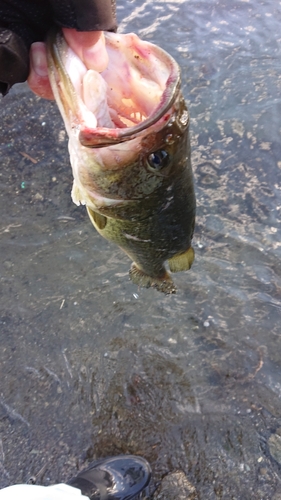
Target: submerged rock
point(274, 444)
point(175, 486)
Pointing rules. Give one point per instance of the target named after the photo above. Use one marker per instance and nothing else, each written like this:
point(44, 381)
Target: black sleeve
point(85, 15)
point(23, 22)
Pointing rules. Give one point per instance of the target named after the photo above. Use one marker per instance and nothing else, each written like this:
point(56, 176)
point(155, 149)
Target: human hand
point(24, 25)
point(89, 46)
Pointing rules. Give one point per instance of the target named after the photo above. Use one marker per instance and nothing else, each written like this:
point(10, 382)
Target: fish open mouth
point(135, 91)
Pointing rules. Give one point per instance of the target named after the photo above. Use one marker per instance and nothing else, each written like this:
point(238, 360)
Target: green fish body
point(129, 147)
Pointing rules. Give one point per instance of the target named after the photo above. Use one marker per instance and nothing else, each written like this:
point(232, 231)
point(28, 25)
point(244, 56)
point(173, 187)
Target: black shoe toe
point(115, 478)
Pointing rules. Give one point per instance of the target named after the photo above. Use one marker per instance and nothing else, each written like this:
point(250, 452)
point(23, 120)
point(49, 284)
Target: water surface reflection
point(93, 366)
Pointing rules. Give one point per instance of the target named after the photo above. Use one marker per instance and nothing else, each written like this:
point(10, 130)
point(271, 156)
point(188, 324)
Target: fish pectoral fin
point(182, 261)
point(76, 195)
point(164, 284)
point(98, 220)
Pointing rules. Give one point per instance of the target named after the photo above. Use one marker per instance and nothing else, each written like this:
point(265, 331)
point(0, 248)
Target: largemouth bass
point(129, 148)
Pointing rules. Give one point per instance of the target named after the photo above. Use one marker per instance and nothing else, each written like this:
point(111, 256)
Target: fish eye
point(158, 159)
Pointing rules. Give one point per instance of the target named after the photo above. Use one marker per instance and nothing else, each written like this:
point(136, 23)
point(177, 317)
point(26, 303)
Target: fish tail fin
point(164, 284)
point(182, 261)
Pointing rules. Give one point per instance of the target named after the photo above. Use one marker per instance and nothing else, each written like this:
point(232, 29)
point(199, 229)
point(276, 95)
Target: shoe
point(115, 478)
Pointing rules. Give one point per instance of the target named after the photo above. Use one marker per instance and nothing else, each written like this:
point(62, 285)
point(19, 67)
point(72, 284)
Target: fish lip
point(101, 136)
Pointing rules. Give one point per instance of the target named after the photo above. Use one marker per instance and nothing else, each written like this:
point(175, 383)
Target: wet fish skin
point(137, 182)
point(159, 226)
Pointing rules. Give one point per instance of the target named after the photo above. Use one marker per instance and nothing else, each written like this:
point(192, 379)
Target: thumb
point(89, 46)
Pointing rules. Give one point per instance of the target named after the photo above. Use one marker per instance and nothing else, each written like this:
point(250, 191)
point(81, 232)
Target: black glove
point(23, 22)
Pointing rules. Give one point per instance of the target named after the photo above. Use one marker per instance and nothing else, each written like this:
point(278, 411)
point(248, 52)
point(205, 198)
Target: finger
point(89, 46)
point(38, 79)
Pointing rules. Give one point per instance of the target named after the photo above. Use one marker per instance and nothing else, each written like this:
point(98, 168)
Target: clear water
point(93, 366)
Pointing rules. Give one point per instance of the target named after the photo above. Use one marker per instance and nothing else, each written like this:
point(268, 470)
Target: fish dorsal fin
point(162, 284)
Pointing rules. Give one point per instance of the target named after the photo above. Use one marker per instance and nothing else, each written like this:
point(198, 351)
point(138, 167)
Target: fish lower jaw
point(163, 283)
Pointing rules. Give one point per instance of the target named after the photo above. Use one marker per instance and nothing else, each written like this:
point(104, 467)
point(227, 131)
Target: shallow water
point(93, 366)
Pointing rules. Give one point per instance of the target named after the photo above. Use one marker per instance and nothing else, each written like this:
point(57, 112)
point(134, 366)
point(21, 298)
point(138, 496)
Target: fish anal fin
point(164, 284)
point(182, 261)
point(98, 220)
